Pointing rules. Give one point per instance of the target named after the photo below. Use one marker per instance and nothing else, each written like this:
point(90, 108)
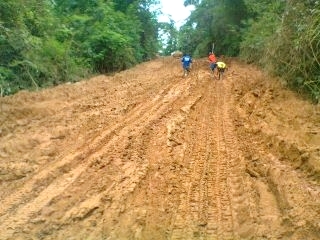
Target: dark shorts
point(213, 66)
point(186, 68)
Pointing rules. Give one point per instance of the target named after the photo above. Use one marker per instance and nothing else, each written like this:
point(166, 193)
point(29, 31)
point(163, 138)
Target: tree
point(168, 37)
point(26, 29)
point(215, 21)
point(264, 17)
point(45, 42)
point(283, 37)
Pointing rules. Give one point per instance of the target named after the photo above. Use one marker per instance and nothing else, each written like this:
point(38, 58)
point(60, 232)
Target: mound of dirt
point(149, 154)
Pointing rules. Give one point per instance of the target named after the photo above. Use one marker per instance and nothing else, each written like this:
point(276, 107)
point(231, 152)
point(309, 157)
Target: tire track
point(216, 186)
point(220, 218)
point(192, 216)
point(15, 205)
point(153, 157)
point(192, 209)
point(240, 208)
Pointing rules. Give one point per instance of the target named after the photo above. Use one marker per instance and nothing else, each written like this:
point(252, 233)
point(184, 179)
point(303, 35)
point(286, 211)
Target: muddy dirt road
point(147, 154)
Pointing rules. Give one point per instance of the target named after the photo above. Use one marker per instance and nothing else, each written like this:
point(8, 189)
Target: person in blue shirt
point(186, 64)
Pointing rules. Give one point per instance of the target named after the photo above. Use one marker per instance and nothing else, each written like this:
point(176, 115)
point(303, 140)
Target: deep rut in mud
point(148, 154)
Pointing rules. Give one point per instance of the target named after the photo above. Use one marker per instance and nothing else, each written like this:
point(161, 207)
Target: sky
point(175, 10)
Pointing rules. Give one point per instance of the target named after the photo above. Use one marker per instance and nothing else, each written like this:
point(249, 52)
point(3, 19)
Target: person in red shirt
point(213, 61)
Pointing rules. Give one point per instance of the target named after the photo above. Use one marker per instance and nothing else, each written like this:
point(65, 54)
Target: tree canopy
point(283, 37)
point(45, 42)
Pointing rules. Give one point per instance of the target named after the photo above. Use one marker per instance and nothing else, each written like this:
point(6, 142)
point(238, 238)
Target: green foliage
point(191, 2)
point(100, 38)
point(113, 36)
point(217, 22)
point(189, 41)
point(169, 37)
point(302, 57)
point(31, 55)
point(148, 27)
point(5, 75)
point(44, 43)
point(281, 36)
point(260, 28)
point(285, 40)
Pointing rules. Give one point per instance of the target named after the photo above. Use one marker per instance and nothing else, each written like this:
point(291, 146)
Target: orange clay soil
point(148, 154)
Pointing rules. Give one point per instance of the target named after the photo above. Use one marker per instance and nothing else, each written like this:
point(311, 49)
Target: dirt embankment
point(147, 154)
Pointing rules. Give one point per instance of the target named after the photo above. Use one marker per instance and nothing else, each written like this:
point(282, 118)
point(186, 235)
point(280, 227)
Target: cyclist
point(213, 61)
point(221, 67)
point(186, 63)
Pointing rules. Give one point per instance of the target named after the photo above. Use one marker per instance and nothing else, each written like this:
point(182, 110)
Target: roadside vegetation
point(45, 43)
point(282, 37)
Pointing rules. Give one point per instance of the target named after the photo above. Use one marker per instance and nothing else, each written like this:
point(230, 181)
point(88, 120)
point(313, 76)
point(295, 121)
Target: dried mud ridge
point(147, 154)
